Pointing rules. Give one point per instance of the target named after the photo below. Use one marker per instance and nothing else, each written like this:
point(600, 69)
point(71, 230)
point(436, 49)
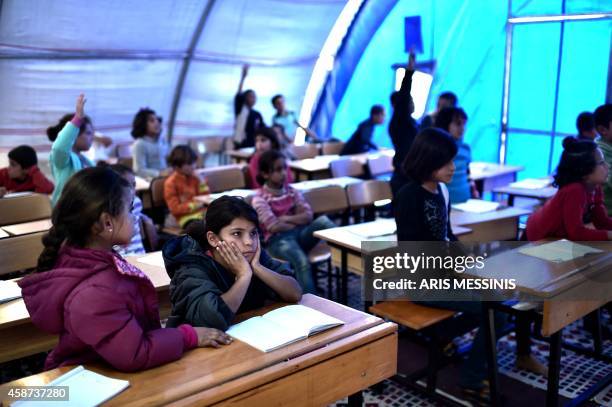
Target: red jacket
point(35, 181)
point(103, 308)
point(565, 214)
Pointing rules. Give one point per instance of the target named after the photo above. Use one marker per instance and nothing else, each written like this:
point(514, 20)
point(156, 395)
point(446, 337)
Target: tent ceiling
point(126, 54)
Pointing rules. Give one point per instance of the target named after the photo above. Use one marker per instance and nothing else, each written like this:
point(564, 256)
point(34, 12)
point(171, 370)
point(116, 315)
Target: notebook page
point(299, 318)
point(559, 251)
point(9, 290)
point(263, 334)
point(86, 388)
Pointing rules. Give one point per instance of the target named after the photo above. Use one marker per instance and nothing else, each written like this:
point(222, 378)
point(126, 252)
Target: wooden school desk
point(568, 290)
point(321, 183)
point(541, 194)
point(28, 227)
point(20, 338)
point(319, 167)
point(242, 155)
point(316, 371)
point(488, 176)
point(345, 245)
point(501, 224)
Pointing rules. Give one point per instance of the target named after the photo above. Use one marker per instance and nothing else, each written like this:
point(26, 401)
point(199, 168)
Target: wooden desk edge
point(267, 375)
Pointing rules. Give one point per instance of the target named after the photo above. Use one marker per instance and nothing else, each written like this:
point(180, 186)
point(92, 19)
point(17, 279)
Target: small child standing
point(181, 188)
point(102, 307)
point(23, 173)
point(286, 218)
point(452, 120)
point(150, 149)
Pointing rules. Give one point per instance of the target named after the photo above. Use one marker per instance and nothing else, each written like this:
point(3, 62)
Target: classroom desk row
point(568, 290)
point(345, 241)
point(319, 166)
point(364, 350)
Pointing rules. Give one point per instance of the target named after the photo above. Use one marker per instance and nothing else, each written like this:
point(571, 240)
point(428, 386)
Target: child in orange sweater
point(183, 185)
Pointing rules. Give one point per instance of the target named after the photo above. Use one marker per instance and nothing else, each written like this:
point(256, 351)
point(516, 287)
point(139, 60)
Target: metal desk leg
point(554, 368)
point(355, 400)
point(344, 275)
point(491, 349)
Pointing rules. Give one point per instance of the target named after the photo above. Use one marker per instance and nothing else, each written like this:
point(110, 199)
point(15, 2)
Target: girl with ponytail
point(102, 307)
point(580, 176)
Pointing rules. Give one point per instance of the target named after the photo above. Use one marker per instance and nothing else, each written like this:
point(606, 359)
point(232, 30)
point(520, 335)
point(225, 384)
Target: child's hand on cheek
point(235, 261)
point(255, 261)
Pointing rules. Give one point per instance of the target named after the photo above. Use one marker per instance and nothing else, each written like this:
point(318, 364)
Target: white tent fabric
point(128, 54)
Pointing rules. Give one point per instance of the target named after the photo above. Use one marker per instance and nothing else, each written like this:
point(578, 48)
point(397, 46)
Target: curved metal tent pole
point(185, 68)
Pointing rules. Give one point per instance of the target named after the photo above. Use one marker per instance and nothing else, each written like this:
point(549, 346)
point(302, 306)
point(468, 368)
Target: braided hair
point(89, 193)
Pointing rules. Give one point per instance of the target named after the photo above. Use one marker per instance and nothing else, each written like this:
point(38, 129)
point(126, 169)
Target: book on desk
point(85, 388)
point(282, 327)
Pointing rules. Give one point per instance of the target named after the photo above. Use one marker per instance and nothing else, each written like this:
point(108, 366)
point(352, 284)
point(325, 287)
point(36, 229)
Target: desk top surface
point(482, 170)
point(545, 279)
point(352, 236)
point(461, 218)
point(25, 228)
point(205, 368)
point(15, 312)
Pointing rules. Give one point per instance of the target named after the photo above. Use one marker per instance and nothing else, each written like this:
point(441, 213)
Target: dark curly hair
point(577, 161)
point(139, 124)
point(53, 131)
point(266, 164)
point(88, 194)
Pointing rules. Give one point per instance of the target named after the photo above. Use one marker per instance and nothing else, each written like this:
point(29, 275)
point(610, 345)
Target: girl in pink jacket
point(102, 307)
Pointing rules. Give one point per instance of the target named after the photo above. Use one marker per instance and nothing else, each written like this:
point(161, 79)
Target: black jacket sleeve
point(196, 299)
point(279, 267)
point(408, 213)
point(238, 103)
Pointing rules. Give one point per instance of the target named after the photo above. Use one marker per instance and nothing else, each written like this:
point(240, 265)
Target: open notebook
point(282, 326)
point(85, 388)
point(9, 290)
point(559, 251)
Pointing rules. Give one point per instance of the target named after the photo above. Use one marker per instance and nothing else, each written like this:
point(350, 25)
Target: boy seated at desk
point(219, 269)
point(23, 173)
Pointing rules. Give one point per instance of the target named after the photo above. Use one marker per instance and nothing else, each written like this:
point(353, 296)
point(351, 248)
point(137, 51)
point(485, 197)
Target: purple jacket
point(102, 308)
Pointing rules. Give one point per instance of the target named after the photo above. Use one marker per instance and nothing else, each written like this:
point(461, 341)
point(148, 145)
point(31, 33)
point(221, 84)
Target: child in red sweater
point(580, 175)
point(23, 173)
point(183, 185)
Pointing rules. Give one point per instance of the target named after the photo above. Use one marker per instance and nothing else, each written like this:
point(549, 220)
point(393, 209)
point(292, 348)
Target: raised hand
point(245, 70)
point(411, 61)
point(80, 106)
point(212, 337)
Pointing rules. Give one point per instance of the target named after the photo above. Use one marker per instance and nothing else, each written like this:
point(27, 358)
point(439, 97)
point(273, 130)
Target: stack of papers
point(531, 183)
point(9, 290)
point(559, 251)
point(476, 206)
point(85, 388)
point(282, 327)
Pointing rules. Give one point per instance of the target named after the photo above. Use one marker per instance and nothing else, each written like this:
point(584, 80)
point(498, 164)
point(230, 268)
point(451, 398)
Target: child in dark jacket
point(23, 173)
point(219, 269)
point(102, 307)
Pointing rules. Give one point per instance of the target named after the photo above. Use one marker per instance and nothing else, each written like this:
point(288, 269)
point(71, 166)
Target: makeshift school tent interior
point(522, 71)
